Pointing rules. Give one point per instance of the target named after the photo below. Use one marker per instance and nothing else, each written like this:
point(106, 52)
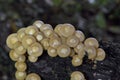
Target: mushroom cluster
point(63, 41)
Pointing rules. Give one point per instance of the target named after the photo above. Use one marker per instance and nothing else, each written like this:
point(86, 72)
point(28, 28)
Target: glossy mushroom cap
point(20, 75)
point(33, 76)
point(76, 75)
point(76, 61)
point(38, 24)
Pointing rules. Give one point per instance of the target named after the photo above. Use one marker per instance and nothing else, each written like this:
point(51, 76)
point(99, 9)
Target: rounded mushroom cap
point(45, 27)
point(32, 58)
point(12, 40)
point(72, 41)
point(38, 23)
point(76, 61)
point(52, 52)
point(20, 75)
point(31, 30)
point(91, 42)
point(45, 43)
point(63, 51)
point(55, 42)
point(79, 48)
point(67, 30)
point(21, 33)
point(100, 54)
point(39, 36)
point(21, 58)
point(13, 55)
point(21, 66)
point(48, 32)
point(33, 76)
point(28, 40)
point(79, 34)
point(58, 28)
point(76, 75)
point(91, 51)
point(35, 49)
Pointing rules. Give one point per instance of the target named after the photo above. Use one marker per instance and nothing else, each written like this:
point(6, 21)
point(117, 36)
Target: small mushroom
point(21, 58)
point(79, 48)
point(76, 61)
point(20, 75)
point(33, 76)
point(39, 36)
point(32, 58)
point(100, 54)
point(45, 27)
point(28, 40)
point(79, 34)
point(48, 32)
point(21, 66)
point(45, 43)
point(72, 41)
point(12, 40)
point(63, 51)
point(21, 33)
point(35, 49)
point(13, 55)
point(52, 52)
point(38, 23)
point(77, 75)
point(91, 42)
point(55, 42)
point(31, 30)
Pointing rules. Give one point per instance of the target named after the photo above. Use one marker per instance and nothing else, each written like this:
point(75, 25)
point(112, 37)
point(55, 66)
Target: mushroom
point(38, 23)
point(20, 75)
point(21, 33)
point(76, 61)
point(77, 75)
point(52, 52)
point(32, 58)
point(21, 66)
point(79, 34)
point(33, 76)
point(45, 27)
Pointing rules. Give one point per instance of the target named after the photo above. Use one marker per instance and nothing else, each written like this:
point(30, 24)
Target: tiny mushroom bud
point(13, 55)
point(63, 51)
point(79, 34)
point(28, 40)
point(12, 40)
point(21, 33)
point(35, 49)
point(31, 30)
point(33, 76)
point(91, 51)
point(52, 52)
point(20, 75)
point(72, 41)
point(58, 28)
point(100, 54)
point(67, 30)
point(76, 61)
point(91, 42)
point(77, 75)
point(32, 58)
point(21, 66)
point(38, 24)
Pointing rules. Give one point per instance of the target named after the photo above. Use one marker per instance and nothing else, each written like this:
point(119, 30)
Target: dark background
point(96, 18)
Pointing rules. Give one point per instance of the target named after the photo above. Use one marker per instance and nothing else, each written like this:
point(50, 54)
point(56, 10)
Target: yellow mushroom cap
point(76, 61)
point(45, 27)
point(55, 42)
point(45, 43)
point(12, 40)
point(13, 55)
point(79, 48)
point(28, 40)
point(72, 53)
point(33, 76)
point(91, 51)
point(100, 54)
point(21, 66)
point(35, 49)
point(21, 58)
point(72, 41)
point(52, 52)
point(38, 24)
point(32, 58)
point(63, 51)
point(67, 30)
point(77, 75)
point(48, 32)
point(91, 42)
point(20, 49)
point(31, 30)
point(21, 33)
point(39, 36)
point(58, 28)
point(20, 75)
point(79, 34)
